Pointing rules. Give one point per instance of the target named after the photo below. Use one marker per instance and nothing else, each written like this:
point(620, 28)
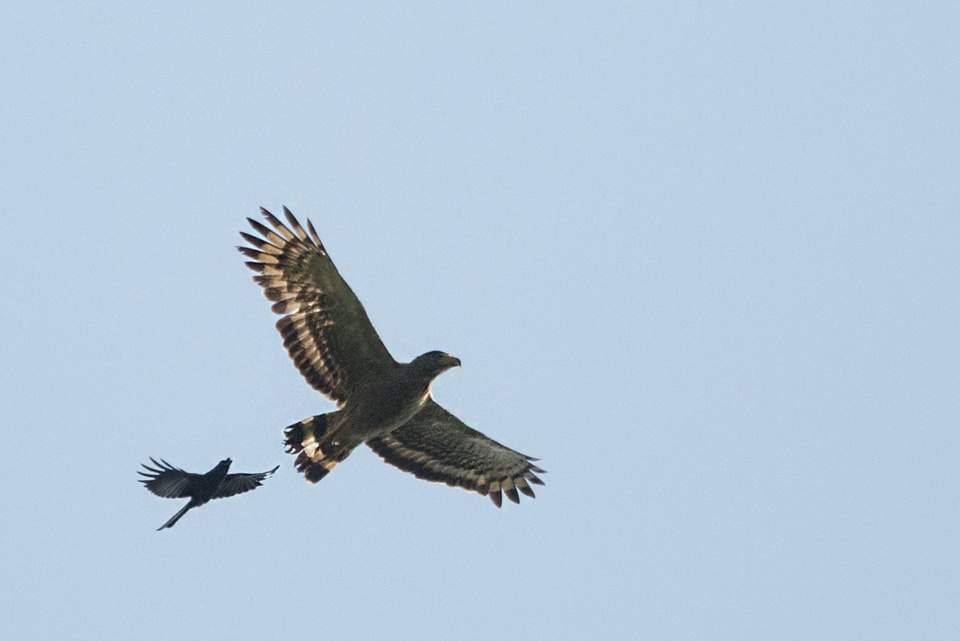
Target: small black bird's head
point(434, 363)
point(224, 464)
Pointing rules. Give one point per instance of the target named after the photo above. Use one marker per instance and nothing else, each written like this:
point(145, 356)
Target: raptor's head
point(224, 464)
point(434, 363)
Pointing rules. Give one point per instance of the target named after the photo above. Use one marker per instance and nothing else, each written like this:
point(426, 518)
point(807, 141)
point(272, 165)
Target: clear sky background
point(701, 258)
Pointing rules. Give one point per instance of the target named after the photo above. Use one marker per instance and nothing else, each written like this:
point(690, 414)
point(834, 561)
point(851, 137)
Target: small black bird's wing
point(168, 481)
point(240, 483)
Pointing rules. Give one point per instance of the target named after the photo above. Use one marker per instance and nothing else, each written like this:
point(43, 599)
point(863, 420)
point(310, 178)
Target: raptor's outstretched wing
point(325, 328)
point(240, 483)
point(168, 481)
point(437, 446)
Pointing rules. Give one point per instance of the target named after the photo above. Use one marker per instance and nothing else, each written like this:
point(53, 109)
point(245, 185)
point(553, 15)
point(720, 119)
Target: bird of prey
point(173, 483)
point(381, 402)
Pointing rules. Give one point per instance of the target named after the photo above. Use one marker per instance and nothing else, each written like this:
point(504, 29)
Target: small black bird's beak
point(452, 361)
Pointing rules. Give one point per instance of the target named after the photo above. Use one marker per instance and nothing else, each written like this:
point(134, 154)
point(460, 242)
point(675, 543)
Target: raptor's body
point(383, 403)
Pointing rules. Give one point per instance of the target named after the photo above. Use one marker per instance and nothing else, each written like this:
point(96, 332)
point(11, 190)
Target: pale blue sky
point(701, 258)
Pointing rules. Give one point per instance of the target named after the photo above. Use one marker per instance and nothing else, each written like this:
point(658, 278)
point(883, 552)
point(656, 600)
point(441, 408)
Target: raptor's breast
point(384, 406)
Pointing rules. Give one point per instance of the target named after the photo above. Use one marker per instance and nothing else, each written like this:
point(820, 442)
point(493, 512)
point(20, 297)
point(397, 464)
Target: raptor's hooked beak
point(452, 361)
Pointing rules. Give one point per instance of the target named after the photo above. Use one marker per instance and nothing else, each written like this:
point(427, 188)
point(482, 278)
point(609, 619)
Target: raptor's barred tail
point(176, 517)
point(316, 453)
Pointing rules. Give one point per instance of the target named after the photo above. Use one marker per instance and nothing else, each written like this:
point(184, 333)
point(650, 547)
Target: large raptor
point(381, 402)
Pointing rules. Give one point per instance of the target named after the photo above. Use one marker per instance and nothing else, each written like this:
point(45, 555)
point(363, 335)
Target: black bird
point(173, 483)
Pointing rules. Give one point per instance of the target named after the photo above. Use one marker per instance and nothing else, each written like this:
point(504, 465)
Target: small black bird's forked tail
point(317, 454)
point(176, 517)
